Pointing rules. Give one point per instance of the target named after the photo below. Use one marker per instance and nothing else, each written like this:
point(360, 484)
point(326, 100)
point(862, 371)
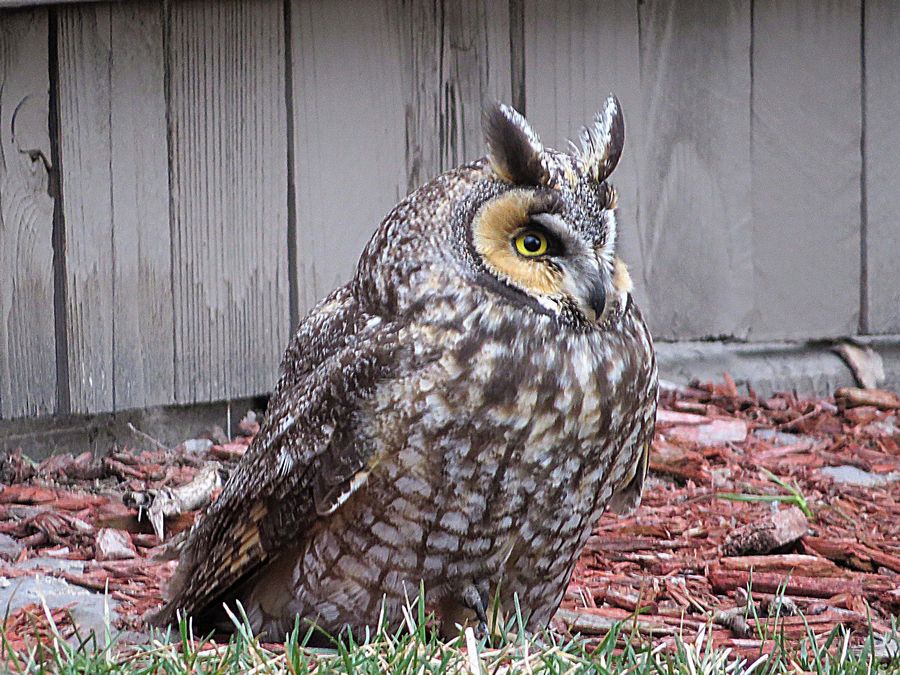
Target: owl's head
point(541, 227)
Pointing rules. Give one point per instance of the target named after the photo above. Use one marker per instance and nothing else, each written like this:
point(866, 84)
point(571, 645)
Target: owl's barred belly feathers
point(490, 464)
point(439, 420)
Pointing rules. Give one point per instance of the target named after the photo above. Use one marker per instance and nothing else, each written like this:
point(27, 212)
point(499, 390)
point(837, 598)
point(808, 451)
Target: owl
point(456, 418)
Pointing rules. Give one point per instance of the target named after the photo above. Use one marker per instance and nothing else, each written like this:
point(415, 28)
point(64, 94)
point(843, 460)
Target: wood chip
point(169, 502)
point(852, 397)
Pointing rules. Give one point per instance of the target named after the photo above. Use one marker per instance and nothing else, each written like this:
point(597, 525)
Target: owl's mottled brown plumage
point(459, 414)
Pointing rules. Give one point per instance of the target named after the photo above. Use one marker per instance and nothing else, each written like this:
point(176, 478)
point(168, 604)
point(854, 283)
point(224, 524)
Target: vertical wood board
point(882, 157)
point(348, 121)
point(83, 34)
point(143, 347)
point(694, 194)
point(226, 64)
point(27, 344)
point(806, 168)
point(375, 119)
point(456, 61)
point(575, 56)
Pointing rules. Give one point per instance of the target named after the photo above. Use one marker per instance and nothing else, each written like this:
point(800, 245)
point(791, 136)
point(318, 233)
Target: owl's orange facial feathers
point(621, 278)
point(497, 225)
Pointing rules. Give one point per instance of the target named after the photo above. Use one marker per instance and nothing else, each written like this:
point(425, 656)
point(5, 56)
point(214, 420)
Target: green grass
point(792, 495)
point(415, 649)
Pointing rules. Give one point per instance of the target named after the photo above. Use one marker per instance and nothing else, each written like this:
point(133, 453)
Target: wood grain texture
point(694, 194)
point(806, 168)
point(83, 35)
point(115, 196)
point(226, 65)
point(143, 347)
point(575, 56)
point(882, 136)
point(456, 60)
point(423, 83)
point(349, 135)
point(27, 344)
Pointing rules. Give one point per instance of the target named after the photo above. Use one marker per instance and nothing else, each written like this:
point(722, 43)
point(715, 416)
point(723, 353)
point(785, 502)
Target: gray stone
point(114, 545)
point(197, 446)
point(91, 612)
point(9, 547)
point(53, 564)
point(851, 475)
point(782, 438)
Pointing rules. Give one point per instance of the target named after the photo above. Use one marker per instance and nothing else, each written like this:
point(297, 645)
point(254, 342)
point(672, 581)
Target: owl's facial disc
point(524, 241)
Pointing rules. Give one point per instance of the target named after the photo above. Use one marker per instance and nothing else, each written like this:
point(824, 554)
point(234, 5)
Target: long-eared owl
point(457, 416)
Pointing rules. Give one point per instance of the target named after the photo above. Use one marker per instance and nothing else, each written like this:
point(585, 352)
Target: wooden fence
point(180, 181)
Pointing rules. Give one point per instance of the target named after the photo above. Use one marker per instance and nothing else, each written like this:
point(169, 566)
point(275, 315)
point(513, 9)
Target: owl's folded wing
point(305, 462)
point(627, 495)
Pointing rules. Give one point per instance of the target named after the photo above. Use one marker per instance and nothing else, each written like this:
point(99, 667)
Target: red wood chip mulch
point(801, 496)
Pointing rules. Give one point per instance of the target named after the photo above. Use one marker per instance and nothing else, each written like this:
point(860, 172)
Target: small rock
point(91, 612)
point(114, 545)
point(851, 475)
point(783, 438)
point(46, 564)
point(712, 432)
point(780, 529)
point(197, 446)
point(782, 605)
point(9, 547)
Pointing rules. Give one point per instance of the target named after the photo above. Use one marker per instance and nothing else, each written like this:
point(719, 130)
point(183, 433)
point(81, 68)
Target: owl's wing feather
point(302, 465)
point(627, 496)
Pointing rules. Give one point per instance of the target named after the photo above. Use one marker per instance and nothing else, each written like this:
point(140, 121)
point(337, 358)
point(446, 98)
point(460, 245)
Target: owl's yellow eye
point(531, 244)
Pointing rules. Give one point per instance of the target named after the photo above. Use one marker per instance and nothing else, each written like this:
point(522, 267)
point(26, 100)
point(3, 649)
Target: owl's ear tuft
point(602, 141)
point(515, 151)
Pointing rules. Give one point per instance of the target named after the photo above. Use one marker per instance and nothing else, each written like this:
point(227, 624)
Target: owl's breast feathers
point(464, 365)
point(552, 392)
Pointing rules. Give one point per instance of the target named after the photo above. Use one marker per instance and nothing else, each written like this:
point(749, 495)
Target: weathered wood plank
point(226, 65)
point(143, 347)
point(349, 120)
point(27, 344)
point(83, 35)
point(115, 203)
point(574, 57)
point(694, 192)
point(806, 168)
point(24, 3)
point(424, 82)
point(457, 59)
point(882, 135)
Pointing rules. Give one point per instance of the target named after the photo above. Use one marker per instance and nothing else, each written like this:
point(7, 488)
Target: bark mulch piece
point(797, 498)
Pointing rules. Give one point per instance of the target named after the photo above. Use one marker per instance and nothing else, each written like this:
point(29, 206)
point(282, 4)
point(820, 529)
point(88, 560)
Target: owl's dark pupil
point(531, 243)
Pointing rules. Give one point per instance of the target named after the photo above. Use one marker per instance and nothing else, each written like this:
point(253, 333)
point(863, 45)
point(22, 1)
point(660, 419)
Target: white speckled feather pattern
point(438, 423)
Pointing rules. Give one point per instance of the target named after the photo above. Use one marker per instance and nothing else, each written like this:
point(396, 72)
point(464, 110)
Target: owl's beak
point(585, 284)
point(597, 297)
